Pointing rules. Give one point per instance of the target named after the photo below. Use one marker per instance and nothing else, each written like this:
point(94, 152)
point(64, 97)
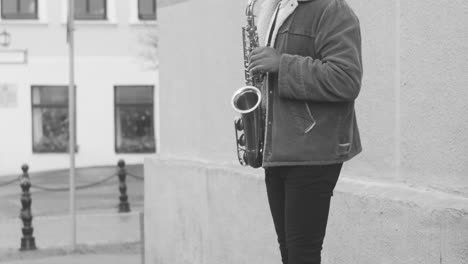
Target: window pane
point(50, 129)
point(50, 118)
point(134, 129)
point(90, 9)
point(50, 95)
point(19, 9)
point(98, 7)
point(147, 9)
point(9, 6)
point(134, 119)
point(80, 7)
point(28, 6)
point(134, 94)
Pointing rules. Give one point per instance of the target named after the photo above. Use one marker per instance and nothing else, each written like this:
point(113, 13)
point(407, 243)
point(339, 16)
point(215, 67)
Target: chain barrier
point(81, 187)
point(6, 183)
point(141, 178)
point(28, 240)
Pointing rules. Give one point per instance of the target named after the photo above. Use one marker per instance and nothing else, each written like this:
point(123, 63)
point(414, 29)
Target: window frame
point(42, 106)
point(111, 16)
point(144, 18)
point(117, 106)
point(89, 17)
point(18, 16)
point(133, 16)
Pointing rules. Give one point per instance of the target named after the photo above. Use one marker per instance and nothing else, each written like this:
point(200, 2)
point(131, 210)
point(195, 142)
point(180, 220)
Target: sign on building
point(13, 56)
point(8, 95)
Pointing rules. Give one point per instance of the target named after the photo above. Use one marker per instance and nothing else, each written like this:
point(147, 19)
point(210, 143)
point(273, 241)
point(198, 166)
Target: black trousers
point(299, 198)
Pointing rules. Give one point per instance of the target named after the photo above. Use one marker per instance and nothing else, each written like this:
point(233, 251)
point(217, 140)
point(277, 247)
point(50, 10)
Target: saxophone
point(246, 101)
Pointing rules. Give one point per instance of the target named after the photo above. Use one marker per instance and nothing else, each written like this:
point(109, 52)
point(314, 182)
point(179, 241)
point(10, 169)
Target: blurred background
point(116, 82)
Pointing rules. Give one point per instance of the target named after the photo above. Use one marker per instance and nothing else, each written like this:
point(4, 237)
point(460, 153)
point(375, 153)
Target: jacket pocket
point(312, 121)
point(303, 119)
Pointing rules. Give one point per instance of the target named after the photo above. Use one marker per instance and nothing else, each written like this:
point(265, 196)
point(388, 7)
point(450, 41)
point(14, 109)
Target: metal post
point(142, 236)
point(28, 241)
point(397, 131)
point(124, 206)
point(71, 114)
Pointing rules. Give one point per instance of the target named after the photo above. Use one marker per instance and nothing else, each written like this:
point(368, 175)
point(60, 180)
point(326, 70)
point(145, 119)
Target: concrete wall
point(403, 200)
point(434, 61)
point(203, 213)
point(200, 66)
point(108, 53)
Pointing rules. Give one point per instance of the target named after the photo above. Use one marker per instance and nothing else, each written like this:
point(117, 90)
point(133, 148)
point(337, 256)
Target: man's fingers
point(258, 68)
point(256, 52)
point(255, 58)
point(254, 63)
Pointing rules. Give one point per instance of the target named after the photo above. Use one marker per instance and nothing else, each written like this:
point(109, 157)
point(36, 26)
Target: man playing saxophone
point(314, 71)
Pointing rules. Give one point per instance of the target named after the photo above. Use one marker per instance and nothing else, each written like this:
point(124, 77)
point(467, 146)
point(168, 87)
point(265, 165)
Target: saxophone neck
point(249, 11)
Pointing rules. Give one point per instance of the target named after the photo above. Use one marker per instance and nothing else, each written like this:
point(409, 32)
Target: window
point(90, 9)
point(19, 9)
point(50, 119)
point(134, 119)
point(147, 9)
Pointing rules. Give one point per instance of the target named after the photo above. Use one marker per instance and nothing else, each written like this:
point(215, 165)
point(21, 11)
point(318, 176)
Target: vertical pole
point(397, 147)
point(142, 236)
point(71, 114)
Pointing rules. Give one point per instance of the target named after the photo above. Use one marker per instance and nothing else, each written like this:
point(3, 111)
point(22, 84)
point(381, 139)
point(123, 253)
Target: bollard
point(124, 206)
point(28, 241)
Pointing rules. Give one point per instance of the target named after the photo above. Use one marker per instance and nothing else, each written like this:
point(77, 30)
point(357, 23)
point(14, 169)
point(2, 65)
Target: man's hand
point(264, 59)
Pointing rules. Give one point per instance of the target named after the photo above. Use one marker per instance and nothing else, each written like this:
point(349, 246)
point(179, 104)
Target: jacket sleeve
point(335, 76)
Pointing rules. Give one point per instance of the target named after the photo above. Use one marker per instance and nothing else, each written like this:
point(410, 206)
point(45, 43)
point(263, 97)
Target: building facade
point(115, 79)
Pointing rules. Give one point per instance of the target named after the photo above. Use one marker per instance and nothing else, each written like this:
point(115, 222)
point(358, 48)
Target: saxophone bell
point(246, 100)
point(249, 132)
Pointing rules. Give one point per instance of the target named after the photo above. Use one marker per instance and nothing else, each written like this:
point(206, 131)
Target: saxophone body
point(249, 127)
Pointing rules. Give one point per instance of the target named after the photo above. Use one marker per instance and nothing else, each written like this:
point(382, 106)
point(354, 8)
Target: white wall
point(411, 107)
point(95, 82)
point(409, 111)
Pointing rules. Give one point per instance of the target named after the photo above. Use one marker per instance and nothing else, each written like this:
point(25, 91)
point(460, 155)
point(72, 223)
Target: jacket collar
point(266, 11)
point(286, 9)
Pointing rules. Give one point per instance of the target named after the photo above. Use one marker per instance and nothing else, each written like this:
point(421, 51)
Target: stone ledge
point(208, 214)
point(397, 192)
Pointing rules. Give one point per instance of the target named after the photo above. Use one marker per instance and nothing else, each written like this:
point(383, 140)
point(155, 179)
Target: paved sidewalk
point(84, 259)
point(103, 235)
point(92, 229)
point(87, 254)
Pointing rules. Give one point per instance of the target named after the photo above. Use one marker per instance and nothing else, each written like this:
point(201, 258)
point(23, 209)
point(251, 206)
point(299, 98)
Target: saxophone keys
point(239, 124)
point(241, 140)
